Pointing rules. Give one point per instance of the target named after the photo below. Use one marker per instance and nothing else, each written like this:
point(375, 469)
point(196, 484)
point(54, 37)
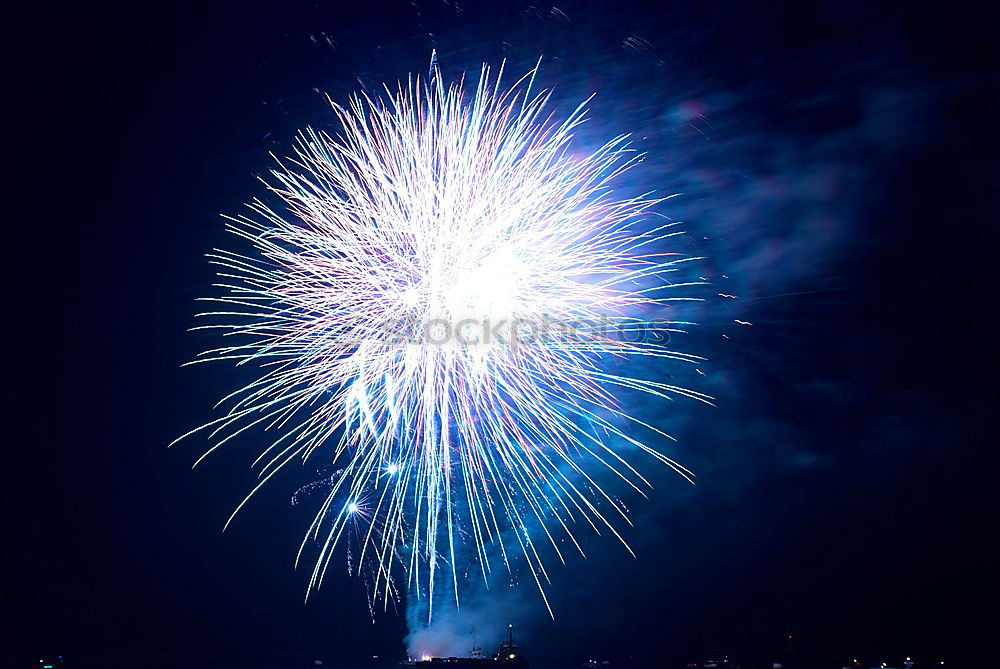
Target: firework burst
point(433, 314)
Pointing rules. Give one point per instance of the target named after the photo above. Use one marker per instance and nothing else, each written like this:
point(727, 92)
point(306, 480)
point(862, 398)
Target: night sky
point(837, 165)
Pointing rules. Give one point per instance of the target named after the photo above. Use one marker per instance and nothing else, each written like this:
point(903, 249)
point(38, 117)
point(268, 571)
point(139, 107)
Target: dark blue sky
point(837, 164)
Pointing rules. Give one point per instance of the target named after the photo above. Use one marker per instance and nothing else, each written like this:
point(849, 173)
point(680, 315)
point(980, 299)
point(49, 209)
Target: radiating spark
point(423, 316)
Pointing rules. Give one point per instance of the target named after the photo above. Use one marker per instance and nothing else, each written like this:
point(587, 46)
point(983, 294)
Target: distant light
point(352, 507)
point(511, 656)
point(392, 470)
point(424, 658)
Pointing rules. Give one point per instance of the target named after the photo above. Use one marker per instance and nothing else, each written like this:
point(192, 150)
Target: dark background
point(837, 162)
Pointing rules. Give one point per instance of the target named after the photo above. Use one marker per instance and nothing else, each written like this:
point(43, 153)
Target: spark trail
point(434, 314)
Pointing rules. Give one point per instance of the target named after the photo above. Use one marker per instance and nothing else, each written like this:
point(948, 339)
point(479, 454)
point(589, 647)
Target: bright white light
point(352, 507)
point(411, 296)
point(392, 470)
